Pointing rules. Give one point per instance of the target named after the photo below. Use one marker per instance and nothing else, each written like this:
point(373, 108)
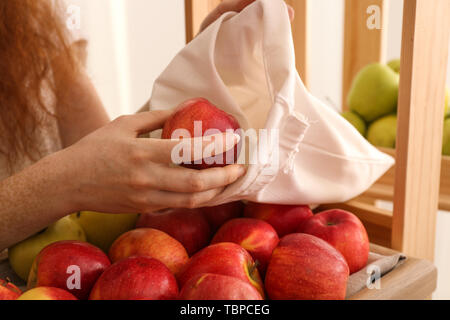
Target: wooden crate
point(413, 184)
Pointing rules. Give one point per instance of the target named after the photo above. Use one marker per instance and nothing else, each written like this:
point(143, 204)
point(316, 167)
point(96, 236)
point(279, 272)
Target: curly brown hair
point(32, 35)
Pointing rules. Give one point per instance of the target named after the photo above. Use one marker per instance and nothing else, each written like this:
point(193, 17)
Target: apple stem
point(253, 267)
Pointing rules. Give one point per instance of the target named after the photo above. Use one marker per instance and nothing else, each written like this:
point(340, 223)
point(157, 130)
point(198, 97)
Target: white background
point(131, 42)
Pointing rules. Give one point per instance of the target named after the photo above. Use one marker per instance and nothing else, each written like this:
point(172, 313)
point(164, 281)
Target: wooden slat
point(361, 44)
point(383, 189)
point(300, 33)
point(426, 34)
point(195, 12)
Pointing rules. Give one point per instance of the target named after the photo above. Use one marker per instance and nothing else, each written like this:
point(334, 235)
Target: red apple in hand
point(285, 219)
point(210, 286)
point(69, 265)
point(188, 226)
point(225, 258)
point(136, 278)
point(150, 243)
point(8, 291)
point(203, 112)
point(304, 267)
point(47, 293)
point(218, 215)
point(344, 231)
point(256, 236)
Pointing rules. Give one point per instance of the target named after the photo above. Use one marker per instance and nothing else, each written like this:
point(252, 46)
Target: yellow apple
point(47, 293)
point(374, 92)
point(394, 65)
point(383, 132)
point(22, 255)
point(356, 121)
point(103, 229)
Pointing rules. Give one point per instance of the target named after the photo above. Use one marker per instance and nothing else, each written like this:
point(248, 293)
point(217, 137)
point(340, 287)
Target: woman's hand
point(235, 6)
point(118, 172)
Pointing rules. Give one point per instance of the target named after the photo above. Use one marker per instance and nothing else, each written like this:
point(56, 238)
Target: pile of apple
point(218, 253)
point(372, 101)
point(235, 251)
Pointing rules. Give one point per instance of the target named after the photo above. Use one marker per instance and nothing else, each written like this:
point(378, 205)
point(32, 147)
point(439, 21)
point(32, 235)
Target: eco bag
point(245, 64)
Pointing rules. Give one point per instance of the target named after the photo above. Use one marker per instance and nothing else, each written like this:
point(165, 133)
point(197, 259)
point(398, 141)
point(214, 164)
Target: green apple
point(102, 229)
point(383, 132)
point(21, 255)
point(356, 121)
point(374, 92)
point(446, 138)
point(394, 65)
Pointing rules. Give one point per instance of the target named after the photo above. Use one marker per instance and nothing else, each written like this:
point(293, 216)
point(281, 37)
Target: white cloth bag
point(245, 64)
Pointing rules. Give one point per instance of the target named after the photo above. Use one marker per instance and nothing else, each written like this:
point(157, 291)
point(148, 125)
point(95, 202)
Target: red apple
point(210, 286)
point(256, 236)
point(69, 265)
point(150, 243)
point(285, 219)
point(304, 267)
point(188, 226)
point(202, 111)
point(224, 258)
point(8, 291)
point(344, 231)
point(218, 215)
point(47, 293)
point(136, 278)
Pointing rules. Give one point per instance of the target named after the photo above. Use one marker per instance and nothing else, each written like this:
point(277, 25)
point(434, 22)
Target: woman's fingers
point(188, 180)
point(144, 122)
point(166, 199)
point(188, 150)
point(234, 5)
point(223, 7)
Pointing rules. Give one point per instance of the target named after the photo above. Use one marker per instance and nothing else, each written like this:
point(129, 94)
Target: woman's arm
point(34, 198)
point(110, 170)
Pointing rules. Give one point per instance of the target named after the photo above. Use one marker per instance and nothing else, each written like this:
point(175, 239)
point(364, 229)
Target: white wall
point(326, 52)
point(130, 43)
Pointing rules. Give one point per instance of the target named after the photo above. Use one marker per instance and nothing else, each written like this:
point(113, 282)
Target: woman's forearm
point(34, 198)
point(110, 170)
